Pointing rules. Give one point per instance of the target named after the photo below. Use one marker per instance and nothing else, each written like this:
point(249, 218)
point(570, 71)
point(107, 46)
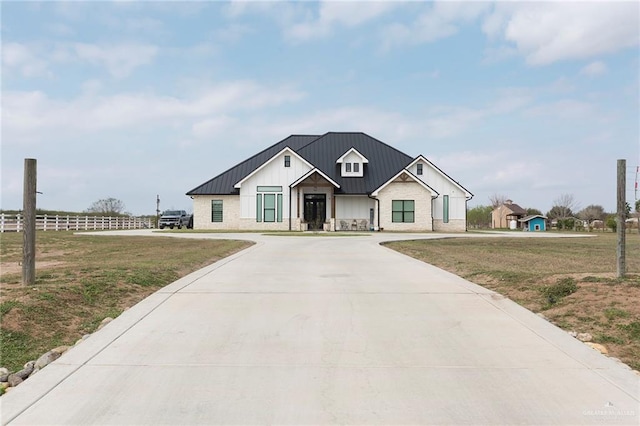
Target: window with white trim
point(356, 167)
point(269, 204)
point(347, 167)
point(419, 169)
point(287, 161)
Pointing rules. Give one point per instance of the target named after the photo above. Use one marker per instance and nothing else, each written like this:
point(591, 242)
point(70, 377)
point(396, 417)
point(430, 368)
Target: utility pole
point(157, 209)
point(622, 210)
point(29, 212)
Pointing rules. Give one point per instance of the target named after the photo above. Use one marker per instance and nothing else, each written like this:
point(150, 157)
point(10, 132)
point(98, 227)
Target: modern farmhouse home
point(333, 182)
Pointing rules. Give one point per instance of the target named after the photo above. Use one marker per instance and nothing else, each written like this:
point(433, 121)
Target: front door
point(315, 210)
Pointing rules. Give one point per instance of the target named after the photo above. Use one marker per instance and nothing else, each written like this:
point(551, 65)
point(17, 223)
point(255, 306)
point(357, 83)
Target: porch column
point(333, 206)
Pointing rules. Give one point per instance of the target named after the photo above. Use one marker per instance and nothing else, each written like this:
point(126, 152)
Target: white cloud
point(441, 20)
point(333, 14)
point(120, 60)
point(547, 32)
point(594, 69)
point(26, 60)
point(31, 116)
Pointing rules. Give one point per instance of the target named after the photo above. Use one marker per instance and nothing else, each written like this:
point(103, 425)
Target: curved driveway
point(326, 330)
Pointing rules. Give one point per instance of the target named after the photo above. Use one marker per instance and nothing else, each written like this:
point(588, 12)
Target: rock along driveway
point(326, 330)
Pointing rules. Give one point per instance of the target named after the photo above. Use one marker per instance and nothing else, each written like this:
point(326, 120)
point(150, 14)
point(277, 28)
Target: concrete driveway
point(326, 330)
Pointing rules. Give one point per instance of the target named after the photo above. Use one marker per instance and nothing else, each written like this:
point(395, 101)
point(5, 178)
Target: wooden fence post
point(29, 209)
point(622, 210)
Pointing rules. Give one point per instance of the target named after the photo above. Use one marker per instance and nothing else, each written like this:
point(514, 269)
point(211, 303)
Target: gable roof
point(516, 209)
point(528, 218)
point(415, 178)
point(322, 152)
point(286, 149)
point(384, 160)
point(341, 159)
point(309, 173)
point(225, 181)
point(467, 193)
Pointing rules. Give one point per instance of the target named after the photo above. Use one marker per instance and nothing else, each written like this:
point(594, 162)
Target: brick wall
point(408, 190)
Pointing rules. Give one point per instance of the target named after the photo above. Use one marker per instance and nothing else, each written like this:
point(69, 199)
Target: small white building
point(333, 182)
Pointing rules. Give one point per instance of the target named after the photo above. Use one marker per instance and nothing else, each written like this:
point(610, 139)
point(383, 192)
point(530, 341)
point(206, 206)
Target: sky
point(134, 100)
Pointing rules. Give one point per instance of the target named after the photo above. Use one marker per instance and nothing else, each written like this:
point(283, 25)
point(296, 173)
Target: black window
point(287, 161)
point(356, 167)
point(419, 169)
point(347, 167)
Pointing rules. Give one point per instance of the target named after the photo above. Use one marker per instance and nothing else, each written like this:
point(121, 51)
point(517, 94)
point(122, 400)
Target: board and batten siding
point(274, 173)
point(457, 198)
point(353, 207)
point(408, 190)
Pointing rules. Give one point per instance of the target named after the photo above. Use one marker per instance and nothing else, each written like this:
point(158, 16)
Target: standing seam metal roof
point(223, 184)
point(321, 151)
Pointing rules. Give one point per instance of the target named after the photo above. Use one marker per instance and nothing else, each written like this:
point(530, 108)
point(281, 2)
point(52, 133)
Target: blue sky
point(136, 99)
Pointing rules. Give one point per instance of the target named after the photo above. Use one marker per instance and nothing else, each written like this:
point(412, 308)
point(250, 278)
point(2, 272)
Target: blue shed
point(534, 223)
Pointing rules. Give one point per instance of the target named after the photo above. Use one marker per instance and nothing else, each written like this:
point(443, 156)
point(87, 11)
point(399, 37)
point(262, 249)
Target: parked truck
point(173, 218)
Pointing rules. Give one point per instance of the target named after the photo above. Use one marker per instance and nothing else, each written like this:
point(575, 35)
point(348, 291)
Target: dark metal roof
point(322, 152)
point(384, 160)
point(516, 209)
point(223, 184)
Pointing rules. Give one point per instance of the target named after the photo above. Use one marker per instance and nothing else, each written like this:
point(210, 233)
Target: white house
point(333, 182)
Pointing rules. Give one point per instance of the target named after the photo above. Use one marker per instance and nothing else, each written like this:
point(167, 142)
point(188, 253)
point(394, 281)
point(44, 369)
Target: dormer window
point(352, 163)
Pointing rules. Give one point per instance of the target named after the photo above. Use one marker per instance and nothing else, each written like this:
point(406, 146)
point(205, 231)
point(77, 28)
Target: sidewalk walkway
point(326, 330)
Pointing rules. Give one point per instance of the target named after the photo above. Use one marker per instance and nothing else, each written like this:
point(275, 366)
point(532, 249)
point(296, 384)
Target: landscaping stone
point(573, 334)
point(4, 371)
point(585, 337)
point(25, 372)
point(4, 378)
point(598, 347)
point(46, 359)
point(14, 380)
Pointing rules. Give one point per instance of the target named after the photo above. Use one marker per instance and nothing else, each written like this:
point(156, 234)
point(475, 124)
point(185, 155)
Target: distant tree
point(627, 210)
point(611, 222)
point(563, 207)
point(637, 206)
point(479, 216)
point(107, 206)
point(592, 212)
point(533, 212)
point(497, 200)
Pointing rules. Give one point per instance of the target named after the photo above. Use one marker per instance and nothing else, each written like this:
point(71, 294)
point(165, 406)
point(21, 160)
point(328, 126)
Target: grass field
point(82, 279)
point(572, 281)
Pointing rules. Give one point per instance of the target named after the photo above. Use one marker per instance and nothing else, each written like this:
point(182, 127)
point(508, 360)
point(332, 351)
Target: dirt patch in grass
point(572, 281)
point(82, 279)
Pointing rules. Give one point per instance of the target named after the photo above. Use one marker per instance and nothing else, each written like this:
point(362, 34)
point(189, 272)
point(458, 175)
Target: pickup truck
point(171, 218)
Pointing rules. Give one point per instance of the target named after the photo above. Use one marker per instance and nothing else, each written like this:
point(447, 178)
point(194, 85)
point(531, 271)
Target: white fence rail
point(15, 223)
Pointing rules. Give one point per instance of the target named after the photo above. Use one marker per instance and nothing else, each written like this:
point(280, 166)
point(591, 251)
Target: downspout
point(289, 207)
point(432, 198)
point(466, 216)
point(378, 213)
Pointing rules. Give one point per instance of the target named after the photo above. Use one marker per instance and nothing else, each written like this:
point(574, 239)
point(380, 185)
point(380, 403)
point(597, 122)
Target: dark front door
point(315, 210)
